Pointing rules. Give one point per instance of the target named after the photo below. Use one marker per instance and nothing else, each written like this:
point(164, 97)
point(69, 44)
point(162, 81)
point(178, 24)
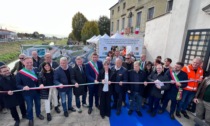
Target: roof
point(114, 5)
point(5, 30)
point(207, 9)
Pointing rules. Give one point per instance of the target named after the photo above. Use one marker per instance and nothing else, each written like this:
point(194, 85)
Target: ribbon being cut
point(63, 86)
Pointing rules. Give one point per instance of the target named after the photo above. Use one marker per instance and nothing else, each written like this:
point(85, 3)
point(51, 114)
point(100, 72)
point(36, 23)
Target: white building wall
point(177, 30)
point(198, 19)
point(166, 35)
point(156, 36)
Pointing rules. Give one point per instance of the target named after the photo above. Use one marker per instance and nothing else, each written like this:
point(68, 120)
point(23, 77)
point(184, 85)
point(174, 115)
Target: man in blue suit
point(118, 74)
point(62, 77)
point(27, 78)
point(92, 70)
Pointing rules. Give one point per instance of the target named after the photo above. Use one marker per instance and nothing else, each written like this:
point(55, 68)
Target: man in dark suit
point(62, 76)
point(78, 77)
point(171, 93)
point(27, 78)
point(118, 74)
point(92, 71)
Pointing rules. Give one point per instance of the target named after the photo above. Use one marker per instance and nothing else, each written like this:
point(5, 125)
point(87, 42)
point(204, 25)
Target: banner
point(132, 45)
point(58, 51)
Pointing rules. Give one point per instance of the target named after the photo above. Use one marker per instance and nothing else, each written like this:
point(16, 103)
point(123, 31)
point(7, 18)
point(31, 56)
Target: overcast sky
point(52, 17)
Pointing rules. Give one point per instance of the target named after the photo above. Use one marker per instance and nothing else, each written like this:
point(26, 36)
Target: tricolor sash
point(176, 79)
point(29, 74)
point(94, 67)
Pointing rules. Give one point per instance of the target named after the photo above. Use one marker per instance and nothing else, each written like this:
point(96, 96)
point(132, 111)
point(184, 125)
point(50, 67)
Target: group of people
point(108, 83)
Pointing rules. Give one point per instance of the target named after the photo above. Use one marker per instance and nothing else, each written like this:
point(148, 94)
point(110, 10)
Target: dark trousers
point(105, 108)
point(14, 112)
point(153, 104)
point(93, 91)
point(29, 102)
point(118, 99)
point(84, 96)
point(124, 93)
point(136, 99)
point(173, 104)
point(187, 97)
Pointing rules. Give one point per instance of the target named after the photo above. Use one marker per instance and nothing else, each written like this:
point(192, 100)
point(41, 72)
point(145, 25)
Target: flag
point(122, 32)
point(137, 30)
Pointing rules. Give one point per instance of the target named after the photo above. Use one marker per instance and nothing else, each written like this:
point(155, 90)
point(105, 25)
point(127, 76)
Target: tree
point(89, 29)
point(78, 22)
point(71, 36)
point(36, 34)
point(104, 25)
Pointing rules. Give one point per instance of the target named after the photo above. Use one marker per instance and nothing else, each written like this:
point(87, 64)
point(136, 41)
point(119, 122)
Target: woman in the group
point(147, 89)
point(105, 97)
point(46, 79)
point(157, 89)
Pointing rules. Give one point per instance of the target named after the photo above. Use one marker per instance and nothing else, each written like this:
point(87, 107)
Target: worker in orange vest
point(194, 72)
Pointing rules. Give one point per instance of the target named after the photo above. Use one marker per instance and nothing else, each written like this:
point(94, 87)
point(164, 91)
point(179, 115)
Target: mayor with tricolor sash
point(27, 78)
point(92, 71)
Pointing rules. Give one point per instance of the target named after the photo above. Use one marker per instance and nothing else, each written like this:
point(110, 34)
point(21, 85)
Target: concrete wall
point(156, 36)
point(198, 19)
point(166, 35)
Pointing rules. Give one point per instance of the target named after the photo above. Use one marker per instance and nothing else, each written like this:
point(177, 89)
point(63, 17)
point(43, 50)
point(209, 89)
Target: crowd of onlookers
point(148, 85)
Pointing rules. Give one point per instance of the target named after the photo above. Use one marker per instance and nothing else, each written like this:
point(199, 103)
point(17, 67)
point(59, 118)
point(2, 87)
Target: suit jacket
point(101, 77)
point(22, 81)
point(117, 76)
point(173, 90)
point(78, 77)
point(60, 78)
point(91, 76)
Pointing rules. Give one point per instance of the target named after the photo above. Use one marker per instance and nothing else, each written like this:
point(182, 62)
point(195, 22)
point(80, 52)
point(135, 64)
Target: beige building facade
point(129, 17)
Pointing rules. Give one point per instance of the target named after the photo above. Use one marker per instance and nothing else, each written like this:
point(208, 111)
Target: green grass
point(9, 51)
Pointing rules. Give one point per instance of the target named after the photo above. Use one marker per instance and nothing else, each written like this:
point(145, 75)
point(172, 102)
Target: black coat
point(101, 77)
point(132, 78)
point(44, 93)
point(161, 77)
point(10, 100)
point(173, 90)
point(78, 77)
point(117, 76)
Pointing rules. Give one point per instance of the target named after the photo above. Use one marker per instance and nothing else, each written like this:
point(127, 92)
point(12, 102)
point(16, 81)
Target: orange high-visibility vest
point(192, 86)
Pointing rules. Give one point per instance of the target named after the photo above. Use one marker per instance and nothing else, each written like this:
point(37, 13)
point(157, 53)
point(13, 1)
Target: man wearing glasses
point(19, 64)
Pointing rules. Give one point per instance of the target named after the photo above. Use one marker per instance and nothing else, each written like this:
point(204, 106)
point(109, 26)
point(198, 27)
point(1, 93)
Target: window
point(138, 20)
point(112, 12)
point(124, 4)
point(118, 24)
point(169, 5)
point(123, 23)
point(118, 9)
point(130, 19)
point(150, 13)
point(112, 26)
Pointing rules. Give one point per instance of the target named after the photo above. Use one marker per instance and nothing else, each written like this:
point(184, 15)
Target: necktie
point(81, 69)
